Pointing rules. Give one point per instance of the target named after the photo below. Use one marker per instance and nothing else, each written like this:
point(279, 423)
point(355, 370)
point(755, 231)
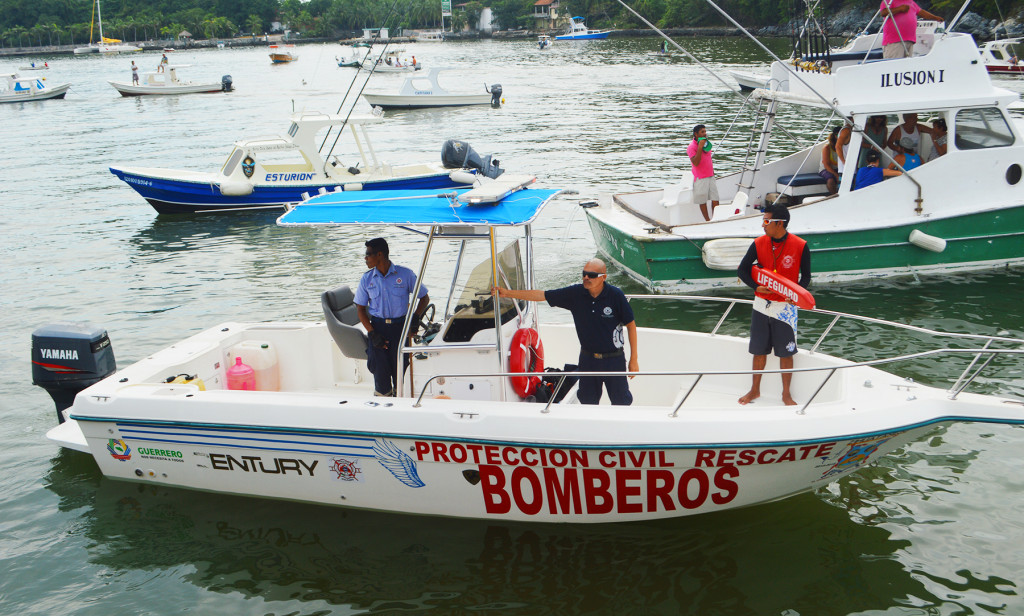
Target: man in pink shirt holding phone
point(705, 189)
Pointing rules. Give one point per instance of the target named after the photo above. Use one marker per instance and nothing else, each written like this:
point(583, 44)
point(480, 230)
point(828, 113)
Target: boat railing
point(831, 370)
point(981, 359)
point(965, 378)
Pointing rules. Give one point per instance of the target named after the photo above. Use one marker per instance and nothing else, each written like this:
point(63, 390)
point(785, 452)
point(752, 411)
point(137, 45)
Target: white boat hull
point(325, 439)
point(127, 89)
point(397, 101)
point(58, 91)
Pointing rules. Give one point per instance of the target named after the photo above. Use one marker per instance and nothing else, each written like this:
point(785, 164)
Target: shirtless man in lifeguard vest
point(773, 321)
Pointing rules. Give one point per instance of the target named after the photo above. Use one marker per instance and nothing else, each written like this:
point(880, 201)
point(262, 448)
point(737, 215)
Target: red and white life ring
point(526, 354)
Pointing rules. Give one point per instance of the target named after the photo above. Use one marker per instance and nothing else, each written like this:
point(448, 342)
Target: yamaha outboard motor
point(67, 358)
point(225, 83)
point(457, 154)
point(495, 91)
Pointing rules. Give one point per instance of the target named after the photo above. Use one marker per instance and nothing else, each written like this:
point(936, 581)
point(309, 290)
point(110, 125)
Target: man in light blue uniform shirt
point(382, 301)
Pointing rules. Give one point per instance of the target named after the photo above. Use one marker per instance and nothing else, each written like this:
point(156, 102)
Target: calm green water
point(934, 529)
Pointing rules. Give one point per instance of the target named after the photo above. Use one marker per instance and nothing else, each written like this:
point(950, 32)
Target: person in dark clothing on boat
point(382, 301)
point(774, 318)
point(600, 312)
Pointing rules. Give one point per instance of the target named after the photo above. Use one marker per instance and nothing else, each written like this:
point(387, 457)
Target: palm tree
point(254, 23)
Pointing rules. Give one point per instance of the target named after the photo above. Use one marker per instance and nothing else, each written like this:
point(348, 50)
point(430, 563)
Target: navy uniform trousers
point(383, 363)
point(589, 391)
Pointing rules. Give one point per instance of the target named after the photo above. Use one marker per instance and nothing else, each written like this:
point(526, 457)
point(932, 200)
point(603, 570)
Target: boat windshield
point(474, 309)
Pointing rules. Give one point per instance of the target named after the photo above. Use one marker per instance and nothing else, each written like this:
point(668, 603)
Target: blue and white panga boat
point(469, 433)
point(20, 89)
point(578, 31)
point(266, 173)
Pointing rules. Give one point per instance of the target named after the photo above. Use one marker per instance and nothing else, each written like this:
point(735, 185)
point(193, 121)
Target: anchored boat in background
point(963, 210)
point(466, 436)
point(282, 55)
point(21, 89)
point(578, 31)
point(422, 90)
point(266, 173)
point(167, 82)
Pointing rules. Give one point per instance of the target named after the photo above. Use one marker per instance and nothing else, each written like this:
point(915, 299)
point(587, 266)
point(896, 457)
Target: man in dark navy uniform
point(600, 311)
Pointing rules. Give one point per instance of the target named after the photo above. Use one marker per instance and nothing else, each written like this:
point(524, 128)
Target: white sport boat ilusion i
point(960, 211)
point(458, 440)
point(168, 82)
point(422, 90)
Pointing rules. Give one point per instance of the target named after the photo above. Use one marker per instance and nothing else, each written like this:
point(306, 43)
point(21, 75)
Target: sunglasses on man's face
point(591, 275)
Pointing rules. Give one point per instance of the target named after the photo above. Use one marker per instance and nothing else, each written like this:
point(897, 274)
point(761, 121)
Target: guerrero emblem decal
point(248, 166)
point(398, 463)
point(119, 450)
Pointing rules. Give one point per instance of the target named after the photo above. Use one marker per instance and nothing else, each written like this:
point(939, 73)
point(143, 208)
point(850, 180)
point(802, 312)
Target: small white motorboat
point(35, 67)
point(356, 56)
point(749, 82)
point(578, 31)
point(422, 90)
point(19, 89)
point(393, 62)
point(466, 436)
point(1000, 57)
point(168, 82)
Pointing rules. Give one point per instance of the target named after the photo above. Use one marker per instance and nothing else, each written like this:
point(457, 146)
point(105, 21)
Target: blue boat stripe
point(240, 438)
point(226, 428)
point(609, 446)
point(257, 447)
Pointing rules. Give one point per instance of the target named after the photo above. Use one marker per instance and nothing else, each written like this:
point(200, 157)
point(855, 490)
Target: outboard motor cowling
point(457, 154)
point(225, 83)
point(495, 91)
point(68, 357)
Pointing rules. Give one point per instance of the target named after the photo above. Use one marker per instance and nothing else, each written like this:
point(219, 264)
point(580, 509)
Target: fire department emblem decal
point(346, 470)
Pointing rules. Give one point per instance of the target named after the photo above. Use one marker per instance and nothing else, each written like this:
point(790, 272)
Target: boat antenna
point(352, 107)
point(746, 99)
point(827, 102)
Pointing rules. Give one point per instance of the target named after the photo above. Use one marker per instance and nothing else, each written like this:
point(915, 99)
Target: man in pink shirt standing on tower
point(704, 187)
point(899, 28)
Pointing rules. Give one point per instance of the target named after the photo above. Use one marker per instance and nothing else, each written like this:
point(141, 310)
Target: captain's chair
point(341, 315)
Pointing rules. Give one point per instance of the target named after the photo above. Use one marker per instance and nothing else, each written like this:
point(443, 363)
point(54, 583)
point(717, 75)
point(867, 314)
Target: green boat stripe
point(970, 238)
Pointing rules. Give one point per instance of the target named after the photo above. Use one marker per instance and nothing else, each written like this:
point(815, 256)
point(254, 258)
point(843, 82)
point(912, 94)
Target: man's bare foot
point(750, 396)
point(788, 400)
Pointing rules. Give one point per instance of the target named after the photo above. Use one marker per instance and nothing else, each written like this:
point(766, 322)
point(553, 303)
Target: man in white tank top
point(909, 129)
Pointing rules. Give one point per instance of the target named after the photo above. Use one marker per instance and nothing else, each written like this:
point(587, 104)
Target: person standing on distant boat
point(773, 320)
point(382, 301)
point(600, 312)
point(163, 63)
point(135, 73)
point(664, 46)
point(899, 28)
point(705, 188)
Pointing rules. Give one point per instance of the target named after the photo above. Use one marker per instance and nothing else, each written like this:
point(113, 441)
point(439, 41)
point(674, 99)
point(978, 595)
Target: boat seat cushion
point(800, 179)
point(342, 317)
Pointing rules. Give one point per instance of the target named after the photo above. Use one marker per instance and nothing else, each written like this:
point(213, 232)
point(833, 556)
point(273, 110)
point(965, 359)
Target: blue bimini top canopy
point(415, 208)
